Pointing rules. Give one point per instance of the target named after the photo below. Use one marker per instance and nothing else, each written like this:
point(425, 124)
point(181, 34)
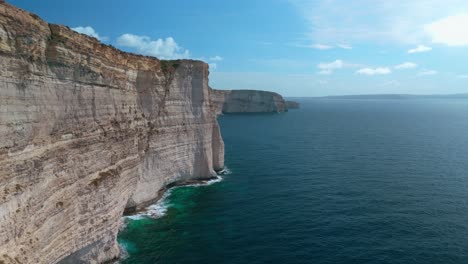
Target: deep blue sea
point(337, 181)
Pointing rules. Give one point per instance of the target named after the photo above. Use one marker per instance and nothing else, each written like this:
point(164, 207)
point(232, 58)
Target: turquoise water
point(337, 181)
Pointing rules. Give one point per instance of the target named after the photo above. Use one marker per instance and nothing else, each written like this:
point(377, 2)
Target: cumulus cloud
point(406, 65)
point(419, 49)
point(337, 21)
point(213, 66)
point(427, 72)
point(161, 48)
point(90, 32)
point(328, 68)
point(374, 71)
point(451, 31)
point(216, 58)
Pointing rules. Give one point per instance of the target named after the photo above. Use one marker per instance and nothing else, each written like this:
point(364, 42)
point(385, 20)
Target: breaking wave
point(159, 209)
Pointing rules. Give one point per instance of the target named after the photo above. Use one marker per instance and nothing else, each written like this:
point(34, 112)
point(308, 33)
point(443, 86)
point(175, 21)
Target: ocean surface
point(337, 181)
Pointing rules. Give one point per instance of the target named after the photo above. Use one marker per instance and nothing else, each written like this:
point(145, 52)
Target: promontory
point(88, 131)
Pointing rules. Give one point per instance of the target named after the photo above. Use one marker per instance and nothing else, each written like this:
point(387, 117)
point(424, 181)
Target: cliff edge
point(87, 131)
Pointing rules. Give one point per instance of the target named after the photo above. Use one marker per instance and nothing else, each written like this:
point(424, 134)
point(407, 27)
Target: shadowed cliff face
point(247, 101)
point(86, 131)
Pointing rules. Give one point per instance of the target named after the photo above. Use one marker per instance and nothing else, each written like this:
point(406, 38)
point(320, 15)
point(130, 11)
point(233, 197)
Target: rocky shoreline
point(143, 207)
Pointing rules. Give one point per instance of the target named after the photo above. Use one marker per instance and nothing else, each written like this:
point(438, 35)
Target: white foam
point(159, 209)
point(155, 211)
point(224, 171)
point(123, 253)
point(206, 183)
point(138, 216)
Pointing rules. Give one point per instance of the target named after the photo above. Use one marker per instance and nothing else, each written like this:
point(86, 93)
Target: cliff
point(292, 105)
point(87, 131)
point(247, 101)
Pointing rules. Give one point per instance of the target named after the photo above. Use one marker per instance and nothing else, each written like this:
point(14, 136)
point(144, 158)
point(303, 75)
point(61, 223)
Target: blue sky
point(294, 47)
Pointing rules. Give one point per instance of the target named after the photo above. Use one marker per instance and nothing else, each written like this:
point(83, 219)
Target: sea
point(337, 181)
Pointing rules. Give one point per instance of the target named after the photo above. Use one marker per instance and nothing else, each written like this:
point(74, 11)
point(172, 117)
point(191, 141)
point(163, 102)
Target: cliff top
point(246, 91)
point(29, 21)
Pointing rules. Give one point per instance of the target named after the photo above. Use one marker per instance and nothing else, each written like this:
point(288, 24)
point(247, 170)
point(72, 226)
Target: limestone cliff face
point(86, 131)
point(247, 101)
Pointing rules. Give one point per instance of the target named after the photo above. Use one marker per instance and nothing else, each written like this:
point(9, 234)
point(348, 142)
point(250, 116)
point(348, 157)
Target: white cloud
point(322, 46)
point(328, 68)
point(345, 46)
point(161, 48)
point(213, 66)
point(380, 21)
point(374, 71)
point(406, 65)
point(452, 30)
point(420, 48)
point(216, 58)
point(427, 72)
point(325, 72)
point(90, 32)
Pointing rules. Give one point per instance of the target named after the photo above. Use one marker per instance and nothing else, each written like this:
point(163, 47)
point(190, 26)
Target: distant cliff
point(247, 101)
point(292, 105)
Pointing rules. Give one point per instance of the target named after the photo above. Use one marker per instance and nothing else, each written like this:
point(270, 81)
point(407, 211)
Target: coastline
point(158, 207)
point(149, 208)
point(113, 133)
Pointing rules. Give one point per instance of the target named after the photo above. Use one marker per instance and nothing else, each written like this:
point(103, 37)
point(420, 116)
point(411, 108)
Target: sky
point(293, 47)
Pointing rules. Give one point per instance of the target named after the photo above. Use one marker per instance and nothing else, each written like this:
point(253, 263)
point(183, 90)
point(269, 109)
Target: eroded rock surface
point(247, 101)
point(86, 131)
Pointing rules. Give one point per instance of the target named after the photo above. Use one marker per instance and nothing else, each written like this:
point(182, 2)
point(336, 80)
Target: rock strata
point(247, 101)
point(86, 131)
